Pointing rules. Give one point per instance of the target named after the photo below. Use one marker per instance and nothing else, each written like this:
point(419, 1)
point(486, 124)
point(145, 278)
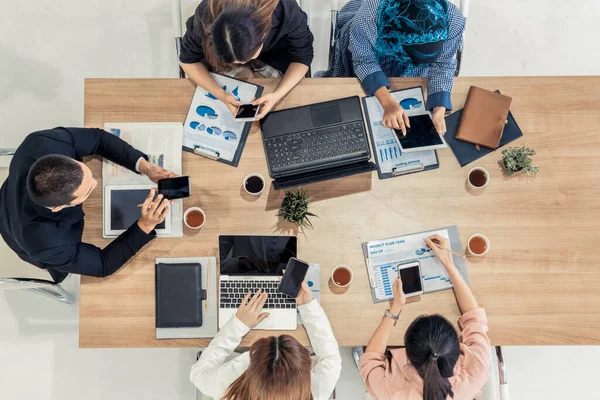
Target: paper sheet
point(210, 126)
point(162, 143)
point(388, 153)
point(385, 255)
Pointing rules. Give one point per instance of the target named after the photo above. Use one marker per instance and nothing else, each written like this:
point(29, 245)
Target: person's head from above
point(413, 30)
point(433, 348)
point(280, 369)
point(234, 31)
point(56, 181)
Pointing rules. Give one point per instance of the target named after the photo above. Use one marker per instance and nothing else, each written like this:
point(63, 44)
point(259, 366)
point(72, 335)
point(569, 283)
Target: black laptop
point(317, 142)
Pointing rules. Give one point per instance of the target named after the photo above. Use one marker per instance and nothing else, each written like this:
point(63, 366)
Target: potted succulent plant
point(518, 159)
point(294, 208)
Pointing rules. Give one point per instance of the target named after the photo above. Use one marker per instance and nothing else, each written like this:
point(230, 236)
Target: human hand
point(399, 297)
point(154, 172)
point(304, 295)
point(249, 311)
point(439, 121)
point(231, 102)
point(438, 244)
point(266, 102)
point(394, 116)
point(154, 211)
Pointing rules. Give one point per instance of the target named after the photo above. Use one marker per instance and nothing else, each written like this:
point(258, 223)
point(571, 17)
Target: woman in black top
point(247, 38)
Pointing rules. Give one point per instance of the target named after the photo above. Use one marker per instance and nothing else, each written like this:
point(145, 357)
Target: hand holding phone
point(293, 278)
point(246, 112)
point(175, 188)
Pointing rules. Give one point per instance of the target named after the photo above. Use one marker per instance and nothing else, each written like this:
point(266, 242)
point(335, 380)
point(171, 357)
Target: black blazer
point(53, 240)
point(290, 40)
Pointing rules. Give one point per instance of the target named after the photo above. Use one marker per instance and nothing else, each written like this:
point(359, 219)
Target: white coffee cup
point(254, 175)
point(185, 215)
point(487, 177)
point(487, 245)
point(346, 268)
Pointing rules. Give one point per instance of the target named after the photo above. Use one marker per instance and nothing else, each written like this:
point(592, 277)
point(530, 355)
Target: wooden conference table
point(540, 282)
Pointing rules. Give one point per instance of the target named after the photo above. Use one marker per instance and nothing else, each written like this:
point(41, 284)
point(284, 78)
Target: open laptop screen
point(255, 255)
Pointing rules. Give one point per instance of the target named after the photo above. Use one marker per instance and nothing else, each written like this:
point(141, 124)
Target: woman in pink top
point(435, 364)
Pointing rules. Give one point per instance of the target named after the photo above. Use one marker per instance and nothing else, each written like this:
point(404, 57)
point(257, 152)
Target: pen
point(451, 251)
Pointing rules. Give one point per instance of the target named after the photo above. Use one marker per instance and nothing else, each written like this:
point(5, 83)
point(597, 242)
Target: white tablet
point(121, 209)
point(421, 135)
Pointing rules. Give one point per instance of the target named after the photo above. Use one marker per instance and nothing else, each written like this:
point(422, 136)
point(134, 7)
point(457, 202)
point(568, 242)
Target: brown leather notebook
point(483, 117)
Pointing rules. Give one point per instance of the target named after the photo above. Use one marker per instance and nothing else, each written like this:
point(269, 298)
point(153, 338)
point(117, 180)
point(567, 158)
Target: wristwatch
point(392, 316)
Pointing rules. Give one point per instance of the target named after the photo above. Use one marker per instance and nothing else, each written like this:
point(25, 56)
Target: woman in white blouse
point(277, 367)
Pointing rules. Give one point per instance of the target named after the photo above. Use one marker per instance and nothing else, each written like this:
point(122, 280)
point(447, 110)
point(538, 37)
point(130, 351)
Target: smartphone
point(175, 188)
point(295, 272)
point(246, 112)
point(412, 282)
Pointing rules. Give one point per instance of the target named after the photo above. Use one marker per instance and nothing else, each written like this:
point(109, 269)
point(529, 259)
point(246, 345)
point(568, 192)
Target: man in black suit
point(41, 216)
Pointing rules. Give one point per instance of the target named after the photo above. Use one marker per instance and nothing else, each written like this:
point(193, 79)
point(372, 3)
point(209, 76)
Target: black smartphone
point(175, 188)
point(246, 112)
point(295, 272)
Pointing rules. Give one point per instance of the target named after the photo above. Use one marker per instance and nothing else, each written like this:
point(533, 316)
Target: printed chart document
point(161, 141)
point(389, 156)
point(210, 129)
point(385, 255)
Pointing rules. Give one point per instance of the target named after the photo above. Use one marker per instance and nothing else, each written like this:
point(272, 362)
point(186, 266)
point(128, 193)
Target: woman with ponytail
point(247, 39)
point(435, 364)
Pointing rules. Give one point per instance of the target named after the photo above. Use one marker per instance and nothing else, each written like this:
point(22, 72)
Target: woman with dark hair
point(377, 39)
point(244, 39)
point(435, 364)
point(275, 368)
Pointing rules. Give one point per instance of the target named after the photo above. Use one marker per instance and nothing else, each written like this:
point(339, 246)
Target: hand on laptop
point(250, 311)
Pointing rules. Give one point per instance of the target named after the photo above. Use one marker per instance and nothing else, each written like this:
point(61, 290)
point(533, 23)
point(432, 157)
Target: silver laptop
point(249, 263)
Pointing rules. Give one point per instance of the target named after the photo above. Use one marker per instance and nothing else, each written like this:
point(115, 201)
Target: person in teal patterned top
point(378, 39)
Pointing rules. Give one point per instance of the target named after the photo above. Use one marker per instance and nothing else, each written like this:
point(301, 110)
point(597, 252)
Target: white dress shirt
point(212, 374)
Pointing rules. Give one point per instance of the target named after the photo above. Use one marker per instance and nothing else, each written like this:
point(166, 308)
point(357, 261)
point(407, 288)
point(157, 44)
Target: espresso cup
point(480, 182)
point(343, 277)
point(195, 214)
point(252, 185)
point(474, 248)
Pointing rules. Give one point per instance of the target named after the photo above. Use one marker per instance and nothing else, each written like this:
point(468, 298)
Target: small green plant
point(518, 159)
point(294, 208)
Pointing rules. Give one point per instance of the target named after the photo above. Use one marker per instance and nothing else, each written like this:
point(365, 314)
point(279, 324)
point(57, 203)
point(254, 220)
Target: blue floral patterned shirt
point(355, 54)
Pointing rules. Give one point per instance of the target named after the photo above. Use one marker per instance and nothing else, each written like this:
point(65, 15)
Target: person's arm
point(379, 340)
point(373, 363)
point(441, 72)
point(94, 141)
point(326, 371)
point(294, 74)
point(363, 37)
point(464, 296)
point(87, 259)
point(211, 374)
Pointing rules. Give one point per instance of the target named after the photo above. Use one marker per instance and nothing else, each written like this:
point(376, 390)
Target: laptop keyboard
point(331, 144)
point(232, 293)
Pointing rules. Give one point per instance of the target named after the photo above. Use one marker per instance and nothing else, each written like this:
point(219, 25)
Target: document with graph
point(391, 161)
point(210, 129)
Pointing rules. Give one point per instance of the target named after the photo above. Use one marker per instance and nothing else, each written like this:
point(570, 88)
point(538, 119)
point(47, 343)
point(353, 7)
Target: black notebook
point(179, 295)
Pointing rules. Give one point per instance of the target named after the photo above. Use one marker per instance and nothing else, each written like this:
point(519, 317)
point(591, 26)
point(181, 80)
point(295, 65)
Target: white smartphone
point(246, 112)
point(412, 281)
